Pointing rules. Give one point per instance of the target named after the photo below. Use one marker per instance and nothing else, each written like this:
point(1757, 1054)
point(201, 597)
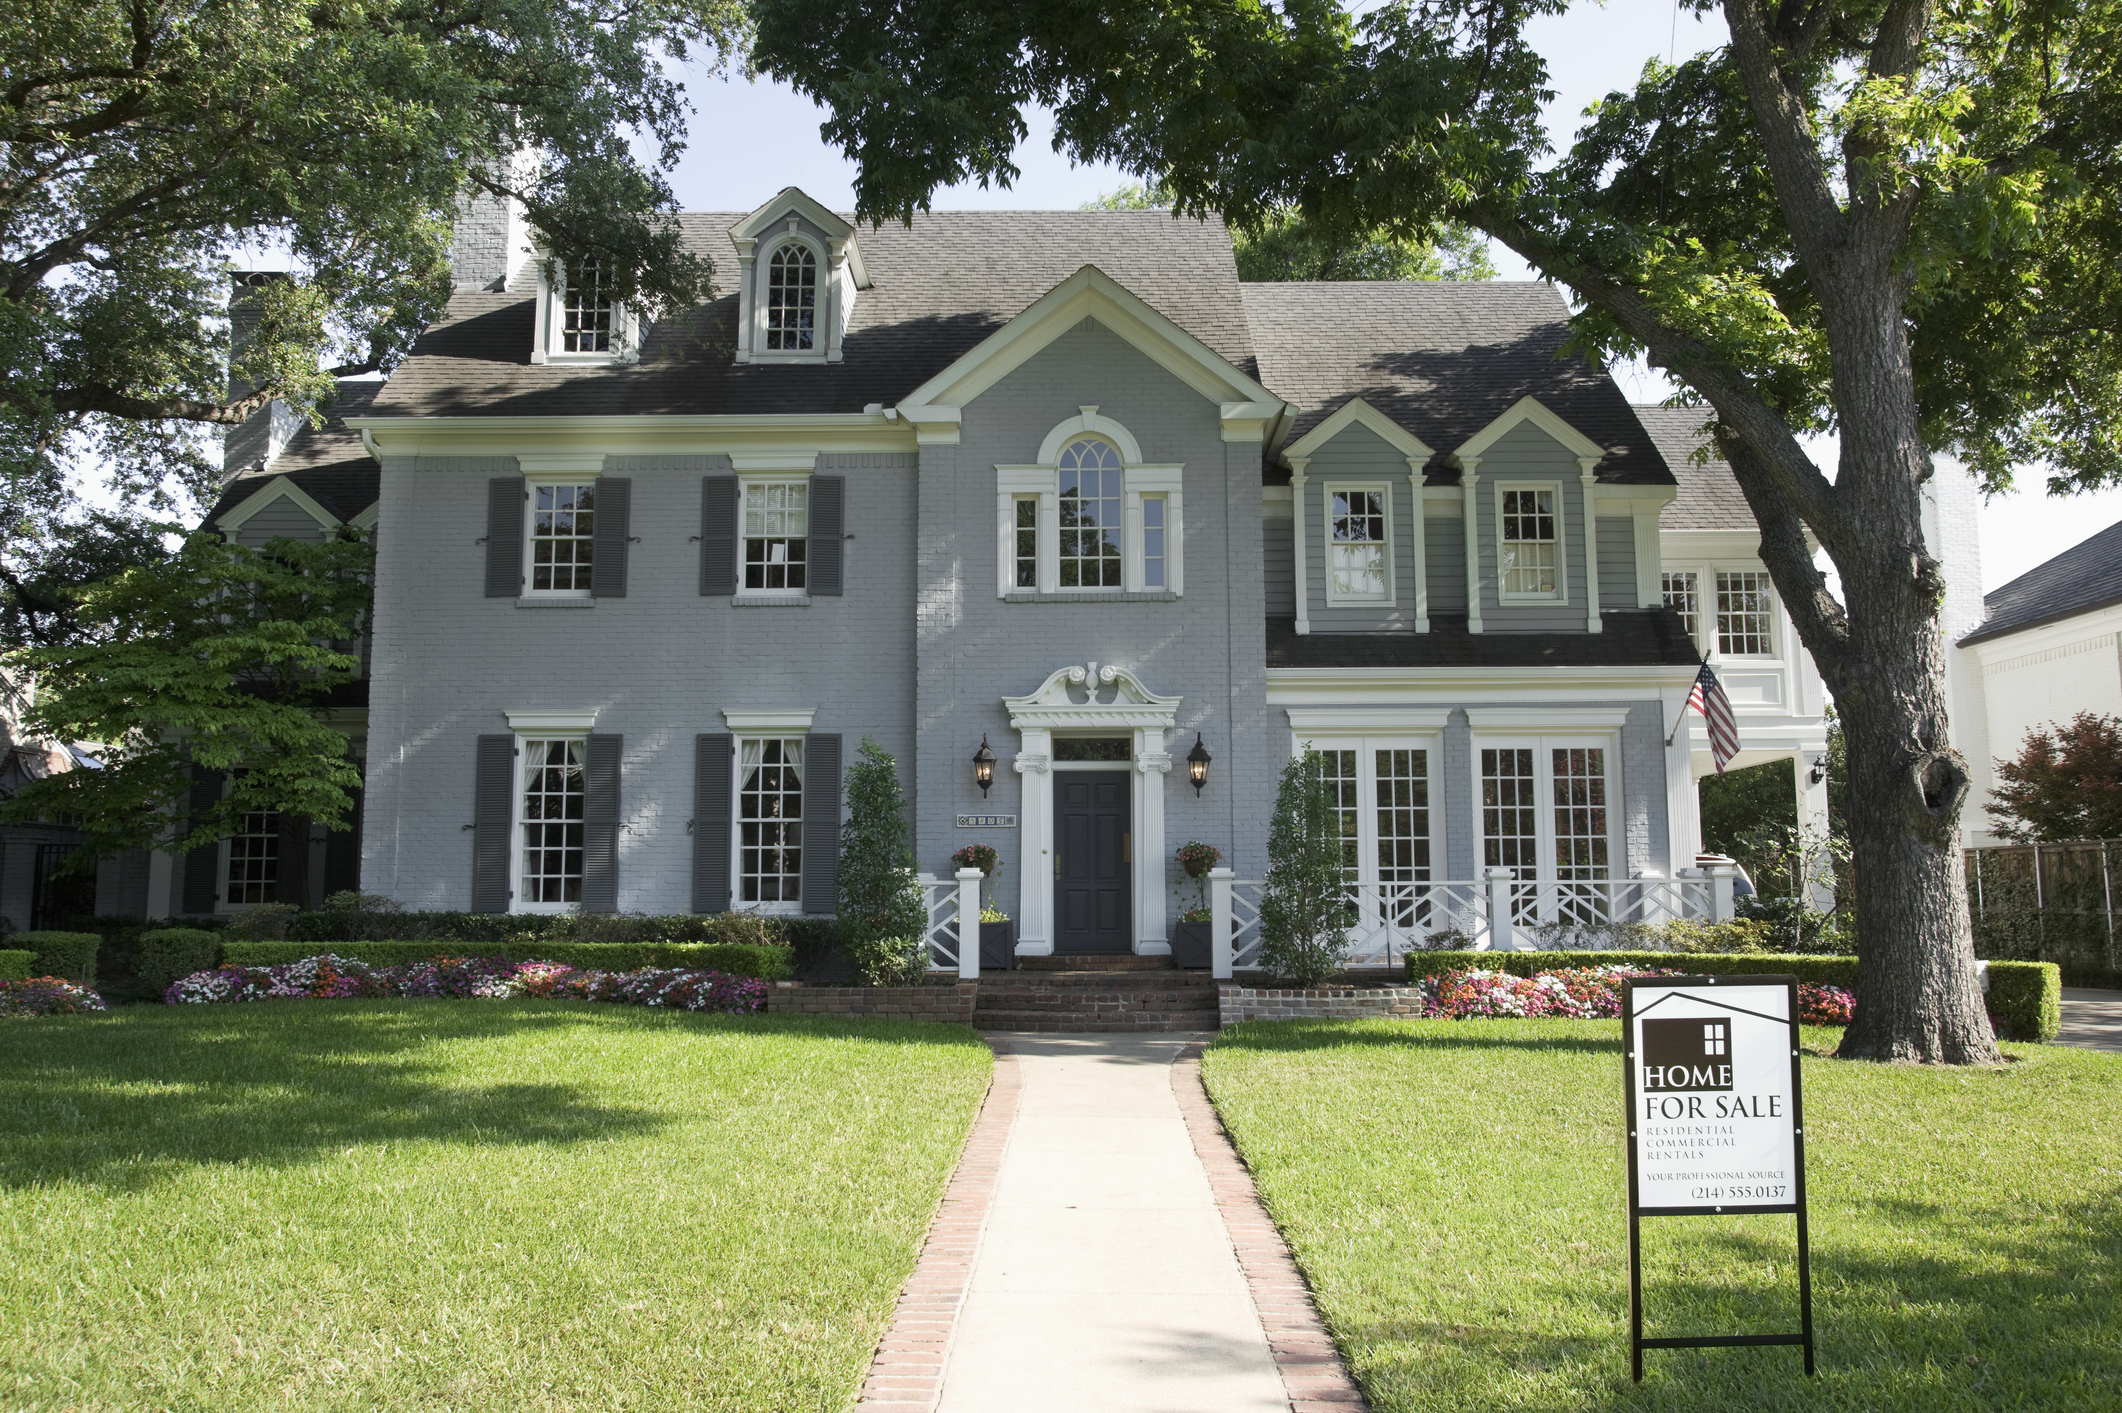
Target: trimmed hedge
point(494, 933)
point(14, 965)
point(173, 953)
point(762, 963)
point(2027, 997)
point(71, 955)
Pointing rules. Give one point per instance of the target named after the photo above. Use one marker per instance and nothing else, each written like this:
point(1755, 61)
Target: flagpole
point(1672, 735)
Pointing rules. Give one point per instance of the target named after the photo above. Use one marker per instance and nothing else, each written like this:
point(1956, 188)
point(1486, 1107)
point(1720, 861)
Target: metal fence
point(2048, 903)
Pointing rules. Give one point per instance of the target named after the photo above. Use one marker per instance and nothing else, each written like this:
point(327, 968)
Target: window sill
point(556, 601)
point(770, 600)
point(1532, 601)
point(1091, 596)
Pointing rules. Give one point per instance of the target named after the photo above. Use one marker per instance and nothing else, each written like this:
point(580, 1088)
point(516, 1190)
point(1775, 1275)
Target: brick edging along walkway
point(1312, 1372)
point(906, 1372)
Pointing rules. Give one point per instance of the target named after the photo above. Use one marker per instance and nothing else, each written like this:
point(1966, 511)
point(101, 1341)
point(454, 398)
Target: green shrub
point(1827, 971)
point(1304, 904)
point(365, 917)
point(2027, 997)
point(14, 965)
point(71, 955)
point(168, 956)
point(1740, 937)
point(883, 916)
point(738, 959)
point(263, 922)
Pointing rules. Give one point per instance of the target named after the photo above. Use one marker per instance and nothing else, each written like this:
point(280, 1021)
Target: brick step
point(1118, 961)
point(1095, 1020)
point(1095, 981)
point(1096, 1004)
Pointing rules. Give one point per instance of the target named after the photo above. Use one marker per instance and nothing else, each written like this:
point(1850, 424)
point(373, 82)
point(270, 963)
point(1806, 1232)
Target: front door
point(1091, 863)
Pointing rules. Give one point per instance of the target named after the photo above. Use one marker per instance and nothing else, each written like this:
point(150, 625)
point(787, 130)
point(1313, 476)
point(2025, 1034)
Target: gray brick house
point(1056, 482)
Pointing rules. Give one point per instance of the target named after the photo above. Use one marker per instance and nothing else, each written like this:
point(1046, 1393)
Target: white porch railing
point(953, 931)
point(1496, 913)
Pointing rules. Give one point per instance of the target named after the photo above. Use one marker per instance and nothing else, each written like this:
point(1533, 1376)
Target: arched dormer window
point(792, 299)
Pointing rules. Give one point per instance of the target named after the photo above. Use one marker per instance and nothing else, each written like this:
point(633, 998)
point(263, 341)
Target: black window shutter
point(718, 535)
point(342, 853)
point(607, 566)
point(294, 835)
point(712, 805)
point(504, 537)
point(828, 548)
point(493, 821)
point(202, 866)
point(821, 823)
point(600, 824)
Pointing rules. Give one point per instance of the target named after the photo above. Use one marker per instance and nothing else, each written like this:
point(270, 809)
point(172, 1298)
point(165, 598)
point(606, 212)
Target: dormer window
point(792, 299)
point(586, 311)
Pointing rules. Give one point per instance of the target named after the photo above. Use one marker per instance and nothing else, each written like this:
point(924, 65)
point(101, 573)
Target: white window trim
point(531, 482)
point(539, 726)
point(1042, 480)
point(1543, 747)
point(1326, 533)
point(1366, 744)
point(550, 326)
point(824, 314)
point(772, 725)
point(774, 470)
point(1560, 594)
point(1706, 637)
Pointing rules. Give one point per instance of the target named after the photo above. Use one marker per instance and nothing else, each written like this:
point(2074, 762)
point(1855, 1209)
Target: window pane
point(1153, 542)
point(1356, 525)
point(1510, 817)
point(1683, 596)
point(586, 311)
point(792, 298)
point(770, 821)
point(1528, 548)
point(563, 537)
point(1403, 831)
point(254, 860)
point(1580, 831)
point(1094, 748)
point(552, 822)
point(1090, 508)
point(1743, 609)
point(776, 534)
point(1027, 543)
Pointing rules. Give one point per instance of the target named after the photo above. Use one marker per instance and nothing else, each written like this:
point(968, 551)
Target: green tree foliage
point(2066, 783)
point(1304, 907)
point(153, 146)
point(1891, 220)
point(1739, 802)
point(883, 917)
point(220, 657)
point(1286, 245)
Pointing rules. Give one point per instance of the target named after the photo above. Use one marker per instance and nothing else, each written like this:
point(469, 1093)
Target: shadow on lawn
point(1455, 1036)
point(119, 1100)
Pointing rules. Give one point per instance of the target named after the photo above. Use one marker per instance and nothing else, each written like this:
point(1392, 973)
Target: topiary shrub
point(71, 955)
point(883, 917)
point(2026, 999)
point(1304, 907)
point(174, 953)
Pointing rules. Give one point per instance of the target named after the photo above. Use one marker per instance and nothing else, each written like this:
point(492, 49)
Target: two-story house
point(1055, 484)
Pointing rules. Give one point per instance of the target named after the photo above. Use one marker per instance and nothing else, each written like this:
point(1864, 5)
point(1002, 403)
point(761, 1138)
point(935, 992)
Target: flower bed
point(47, 996)
point(1584, 993)
point(329, 977)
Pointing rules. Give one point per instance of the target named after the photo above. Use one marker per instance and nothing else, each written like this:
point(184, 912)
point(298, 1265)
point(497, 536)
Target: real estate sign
point(1716, 1121)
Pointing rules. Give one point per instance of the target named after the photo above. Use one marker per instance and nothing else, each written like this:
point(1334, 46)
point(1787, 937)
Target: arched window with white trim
point(1089, 515)
point(1093, 521)
point(792, 299)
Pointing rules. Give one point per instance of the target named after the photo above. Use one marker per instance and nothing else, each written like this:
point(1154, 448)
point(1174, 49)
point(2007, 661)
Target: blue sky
point(751, 139)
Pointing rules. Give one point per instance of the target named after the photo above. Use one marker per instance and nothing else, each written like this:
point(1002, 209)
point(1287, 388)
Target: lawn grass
point(1455, 1192)
point(434, 1204)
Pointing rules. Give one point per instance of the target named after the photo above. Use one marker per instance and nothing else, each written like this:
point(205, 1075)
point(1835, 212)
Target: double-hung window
point(561, 528)
point(1745, 614)
point(1359, 559)
point(1545, 817)
point(1090, 520)
point(769, 842)
point(551, 800)
point(588, 314)
point(776, 536)
point(253, 873)
point(1529, 548)
point(1683, 595)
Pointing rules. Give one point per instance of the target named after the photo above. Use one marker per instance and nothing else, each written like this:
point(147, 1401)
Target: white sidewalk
point(1105, 1280)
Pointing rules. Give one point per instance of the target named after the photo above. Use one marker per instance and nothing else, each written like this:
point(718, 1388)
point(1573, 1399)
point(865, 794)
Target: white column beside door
point(1036, 844)
point(1146, 875)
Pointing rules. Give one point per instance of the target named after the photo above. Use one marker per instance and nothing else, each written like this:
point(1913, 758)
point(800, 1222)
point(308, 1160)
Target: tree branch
point(1788, 142)
point(1821, 621)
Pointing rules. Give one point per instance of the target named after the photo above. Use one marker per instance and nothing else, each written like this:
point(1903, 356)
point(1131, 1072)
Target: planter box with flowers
point(998, 931)
point(1192, 944)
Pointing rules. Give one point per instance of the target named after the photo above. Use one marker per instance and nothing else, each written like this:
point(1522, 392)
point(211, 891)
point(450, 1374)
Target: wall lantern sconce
point(1819, 770)
point(983, 766)
point(1197, 761)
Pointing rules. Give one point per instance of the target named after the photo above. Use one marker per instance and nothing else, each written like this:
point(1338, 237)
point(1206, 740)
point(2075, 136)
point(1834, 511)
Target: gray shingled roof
point(327, 462)
point(1442, 359)
point(1709, 497)
point(2082, 578)
point(1634, 637)
point(939, 287)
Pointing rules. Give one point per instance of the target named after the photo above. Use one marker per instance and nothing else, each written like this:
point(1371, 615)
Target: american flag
point(1709, 699)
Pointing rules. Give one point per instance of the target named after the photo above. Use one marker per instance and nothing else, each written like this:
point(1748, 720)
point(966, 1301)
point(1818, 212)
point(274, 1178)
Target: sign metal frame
point(1636, 1211)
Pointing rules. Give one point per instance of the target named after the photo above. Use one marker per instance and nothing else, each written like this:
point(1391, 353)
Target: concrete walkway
point(1106, 1279)
point(2092, 1019)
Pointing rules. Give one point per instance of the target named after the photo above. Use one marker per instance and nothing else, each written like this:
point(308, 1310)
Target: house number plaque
point(987, 821)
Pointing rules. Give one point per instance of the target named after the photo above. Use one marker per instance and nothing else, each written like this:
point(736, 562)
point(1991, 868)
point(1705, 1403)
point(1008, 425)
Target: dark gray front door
point(1091, 826)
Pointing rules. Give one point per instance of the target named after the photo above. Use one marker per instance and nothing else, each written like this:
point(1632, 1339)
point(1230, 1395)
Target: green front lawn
point(1455, 1191)
point(439, 1204)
